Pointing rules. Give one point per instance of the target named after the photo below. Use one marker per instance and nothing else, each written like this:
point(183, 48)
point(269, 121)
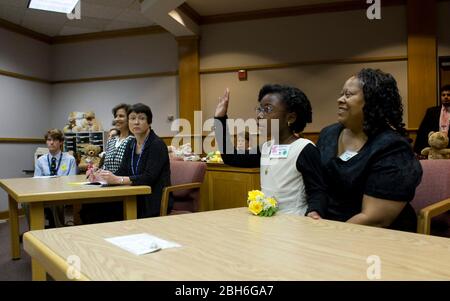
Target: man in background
point(436, 119)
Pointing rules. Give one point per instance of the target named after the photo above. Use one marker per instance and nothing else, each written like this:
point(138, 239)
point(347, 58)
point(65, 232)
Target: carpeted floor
point(13, 270)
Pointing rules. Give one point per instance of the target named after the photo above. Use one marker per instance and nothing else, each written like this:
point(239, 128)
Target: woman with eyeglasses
point(290, 166)
point(146, 162)
point(369, 166)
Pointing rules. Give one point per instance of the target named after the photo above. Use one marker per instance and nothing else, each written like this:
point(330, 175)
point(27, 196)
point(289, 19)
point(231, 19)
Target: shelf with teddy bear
point(83, 129)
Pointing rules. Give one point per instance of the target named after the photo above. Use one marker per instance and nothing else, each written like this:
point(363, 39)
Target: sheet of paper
point(44, 177)
point(140, 244)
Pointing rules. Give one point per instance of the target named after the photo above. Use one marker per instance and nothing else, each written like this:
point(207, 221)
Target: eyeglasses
point(265, 110)
point(139, 118)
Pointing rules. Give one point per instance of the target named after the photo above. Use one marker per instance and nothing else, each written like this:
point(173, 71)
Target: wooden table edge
point(52, 263)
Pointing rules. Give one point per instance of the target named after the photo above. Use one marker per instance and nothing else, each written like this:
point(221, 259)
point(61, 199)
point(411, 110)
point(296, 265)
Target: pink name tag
point(279, 151)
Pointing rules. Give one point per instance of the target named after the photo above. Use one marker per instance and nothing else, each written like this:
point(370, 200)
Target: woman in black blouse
point(146, 162)
point(369, 166)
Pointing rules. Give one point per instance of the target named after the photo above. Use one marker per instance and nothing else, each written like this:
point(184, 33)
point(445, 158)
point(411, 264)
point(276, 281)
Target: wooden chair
point(432, 198)
point(186, 178)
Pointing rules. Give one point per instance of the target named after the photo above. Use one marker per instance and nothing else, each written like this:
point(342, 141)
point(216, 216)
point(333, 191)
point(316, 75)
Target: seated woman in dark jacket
point(369, 166)
point(146, 162)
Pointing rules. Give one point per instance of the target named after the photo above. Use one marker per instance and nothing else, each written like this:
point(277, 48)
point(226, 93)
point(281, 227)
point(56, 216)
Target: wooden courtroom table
point(37, 192)
point(232, 244)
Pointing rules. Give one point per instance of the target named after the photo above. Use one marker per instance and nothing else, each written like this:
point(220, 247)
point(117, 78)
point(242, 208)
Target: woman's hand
point(108, 177)
point(313, 215)
point(222, 106)
point(90, 172)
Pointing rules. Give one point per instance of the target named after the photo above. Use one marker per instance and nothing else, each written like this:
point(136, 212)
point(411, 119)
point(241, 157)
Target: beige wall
point(24, 55)
point(321, 84)
point(342, 35)
point(308, 37)
point(113, 57)
point(116, 57)
point(25, 104)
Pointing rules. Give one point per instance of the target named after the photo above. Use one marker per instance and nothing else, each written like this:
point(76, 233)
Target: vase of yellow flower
point(259, 204)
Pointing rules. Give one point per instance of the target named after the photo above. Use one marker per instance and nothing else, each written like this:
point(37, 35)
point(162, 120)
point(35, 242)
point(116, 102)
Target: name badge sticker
point(347, 155)
point(279, 151)
point(64, 167)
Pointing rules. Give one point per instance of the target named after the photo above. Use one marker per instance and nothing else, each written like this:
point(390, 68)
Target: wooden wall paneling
point(228, 186)
point(189, 82)
point(422, 58)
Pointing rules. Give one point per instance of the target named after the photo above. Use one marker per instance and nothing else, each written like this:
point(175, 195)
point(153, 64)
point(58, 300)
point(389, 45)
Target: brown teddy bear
point(74, 124)
point(437, 141)
point(90, 123)
point(90, 157)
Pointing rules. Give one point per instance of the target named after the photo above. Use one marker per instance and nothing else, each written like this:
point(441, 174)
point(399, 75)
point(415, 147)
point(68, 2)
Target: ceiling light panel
point(60, 6)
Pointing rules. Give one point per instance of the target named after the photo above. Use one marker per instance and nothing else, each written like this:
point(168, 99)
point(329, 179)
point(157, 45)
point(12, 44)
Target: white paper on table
point(44, 177)
point(140, 244)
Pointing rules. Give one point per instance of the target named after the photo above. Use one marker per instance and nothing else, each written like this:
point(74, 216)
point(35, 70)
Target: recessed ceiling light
point(60, 6)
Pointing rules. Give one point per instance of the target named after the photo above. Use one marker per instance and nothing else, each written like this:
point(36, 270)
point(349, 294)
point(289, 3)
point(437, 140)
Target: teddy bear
point(70, 126)
point(438, 142)
point(90, 158)
point(74, 124)
point(90, 123)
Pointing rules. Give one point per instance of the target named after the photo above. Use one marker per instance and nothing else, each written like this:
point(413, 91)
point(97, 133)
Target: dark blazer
point(153, 170)
point(429, 123)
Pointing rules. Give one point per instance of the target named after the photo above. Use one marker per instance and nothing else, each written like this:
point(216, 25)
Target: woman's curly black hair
point(295, 101)
point(383, 107)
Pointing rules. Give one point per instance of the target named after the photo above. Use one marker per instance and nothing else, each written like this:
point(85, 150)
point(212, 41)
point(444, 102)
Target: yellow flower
point(255, 207)
point(253, 194)
point(272, 202)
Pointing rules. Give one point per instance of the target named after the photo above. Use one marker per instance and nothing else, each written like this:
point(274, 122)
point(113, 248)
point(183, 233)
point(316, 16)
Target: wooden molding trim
point(24, 31)
point(154, 29)
point(118, 77)
point(5, 214)
point(210, 70)
point(22, 140)
point(91, 79)
point(24, 77)
point(292, 11)
point(190, 12)
point(305, 63)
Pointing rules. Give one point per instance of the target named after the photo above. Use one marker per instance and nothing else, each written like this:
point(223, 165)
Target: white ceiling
point(96, 15)
point(105, 15)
